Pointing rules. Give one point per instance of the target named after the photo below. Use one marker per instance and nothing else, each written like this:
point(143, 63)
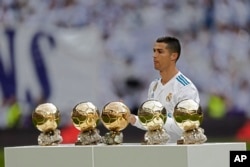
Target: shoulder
point(185, 88)
point(154, 83)
point(182, 81)
point(184, 84)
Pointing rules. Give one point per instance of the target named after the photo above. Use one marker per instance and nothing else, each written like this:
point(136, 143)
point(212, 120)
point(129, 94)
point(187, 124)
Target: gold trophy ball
point(152, 115)
point(46, 117)
point(114, 116)
point(85, 116)
point(188, 114)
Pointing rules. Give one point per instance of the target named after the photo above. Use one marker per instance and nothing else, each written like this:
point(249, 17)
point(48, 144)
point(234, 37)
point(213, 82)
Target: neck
point(168, 75)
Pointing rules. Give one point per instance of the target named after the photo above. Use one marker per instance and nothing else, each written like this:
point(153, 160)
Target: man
point(172, 87)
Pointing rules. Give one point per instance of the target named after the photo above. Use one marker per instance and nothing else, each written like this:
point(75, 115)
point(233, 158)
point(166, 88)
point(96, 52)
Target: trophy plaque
point(85, 116)
point(188, 116)
point(153, 115)
point(46, 118)
point(114, 117)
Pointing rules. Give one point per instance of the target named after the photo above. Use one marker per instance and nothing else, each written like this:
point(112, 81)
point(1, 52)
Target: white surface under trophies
point(85, 116)
point(114, 117)
point(189, 116)
point(46, 118)
point(153, 115)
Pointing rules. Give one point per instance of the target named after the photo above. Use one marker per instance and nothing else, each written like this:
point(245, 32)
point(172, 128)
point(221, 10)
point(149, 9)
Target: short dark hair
point(173, 44)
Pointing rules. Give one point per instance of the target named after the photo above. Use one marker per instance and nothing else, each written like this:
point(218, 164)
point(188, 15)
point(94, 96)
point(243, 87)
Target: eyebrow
point(158, 49)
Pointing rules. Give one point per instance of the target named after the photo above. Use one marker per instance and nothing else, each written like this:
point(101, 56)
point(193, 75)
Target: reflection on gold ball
point(85, 116)
point(188, 114)
point(152, 114)
point(46, 117)
point(115, 116)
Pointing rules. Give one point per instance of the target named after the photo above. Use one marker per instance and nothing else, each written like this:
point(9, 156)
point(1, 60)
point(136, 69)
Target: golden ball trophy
point(46, 118)
point(153, 115)
point(188, 116)
point(85, 116)
point(114, 117)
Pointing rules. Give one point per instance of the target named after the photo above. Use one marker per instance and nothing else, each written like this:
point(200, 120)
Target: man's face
point(161, 56)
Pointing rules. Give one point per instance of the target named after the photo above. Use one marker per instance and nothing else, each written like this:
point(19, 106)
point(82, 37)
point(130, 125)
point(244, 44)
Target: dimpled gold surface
point(46, 117)
point(84, 116)
point(152, 114)
point(188, 114)
point(114, 116)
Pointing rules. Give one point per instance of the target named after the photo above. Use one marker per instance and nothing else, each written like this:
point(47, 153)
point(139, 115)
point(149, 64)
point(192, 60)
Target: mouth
point(156, 62)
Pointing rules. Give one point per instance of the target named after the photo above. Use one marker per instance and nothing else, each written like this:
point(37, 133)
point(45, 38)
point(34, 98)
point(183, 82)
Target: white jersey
point(177, 89)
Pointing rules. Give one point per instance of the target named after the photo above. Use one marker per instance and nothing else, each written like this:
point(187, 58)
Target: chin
point(156, 68)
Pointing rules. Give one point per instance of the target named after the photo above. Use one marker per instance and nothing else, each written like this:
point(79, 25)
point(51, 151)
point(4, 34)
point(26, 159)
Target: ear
point(174, 56)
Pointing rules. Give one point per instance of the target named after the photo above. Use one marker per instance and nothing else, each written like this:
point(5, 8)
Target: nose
point(154, 54)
